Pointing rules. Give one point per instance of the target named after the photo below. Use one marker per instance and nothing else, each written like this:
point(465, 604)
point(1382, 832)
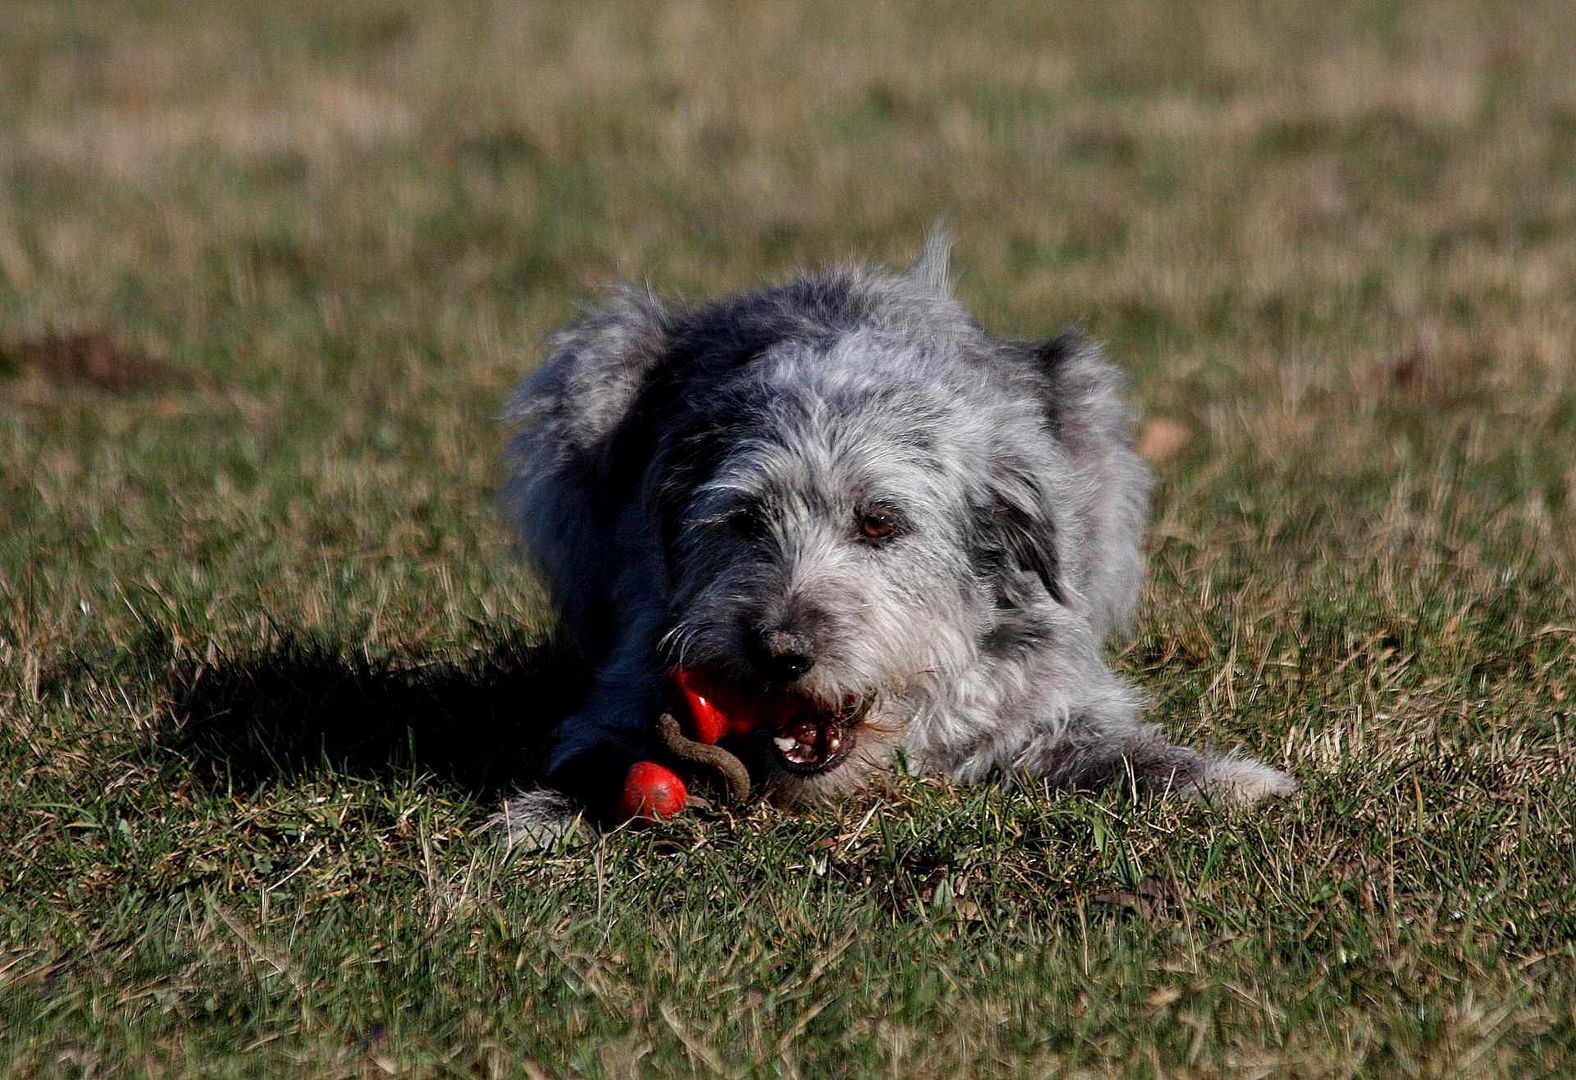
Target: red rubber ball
point(652, 792)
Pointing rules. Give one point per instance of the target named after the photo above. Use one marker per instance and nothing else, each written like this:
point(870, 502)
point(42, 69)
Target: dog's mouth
point(811, 740)
point(807, 735)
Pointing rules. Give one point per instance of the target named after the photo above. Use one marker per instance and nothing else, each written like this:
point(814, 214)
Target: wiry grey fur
point(689, 479)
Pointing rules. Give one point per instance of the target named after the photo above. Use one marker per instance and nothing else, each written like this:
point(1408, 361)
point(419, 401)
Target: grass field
point(267, 274)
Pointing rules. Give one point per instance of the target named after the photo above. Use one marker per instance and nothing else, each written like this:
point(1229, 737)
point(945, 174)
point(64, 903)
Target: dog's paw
point(538, 819)
point(1240, 780)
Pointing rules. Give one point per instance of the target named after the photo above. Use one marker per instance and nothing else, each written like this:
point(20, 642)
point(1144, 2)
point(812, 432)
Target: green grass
point(267, 662)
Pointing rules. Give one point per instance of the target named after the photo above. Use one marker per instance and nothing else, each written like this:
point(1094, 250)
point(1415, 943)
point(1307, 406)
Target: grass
point(267, 662)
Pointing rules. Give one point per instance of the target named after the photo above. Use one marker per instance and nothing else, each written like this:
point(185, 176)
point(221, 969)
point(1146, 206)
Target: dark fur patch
point(1018, 631)
point(1014, 534)
point(1038, 369)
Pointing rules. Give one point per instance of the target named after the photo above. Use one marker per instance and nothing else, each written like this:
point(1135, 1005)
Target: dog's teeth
point(834, 742)
point(785, 744)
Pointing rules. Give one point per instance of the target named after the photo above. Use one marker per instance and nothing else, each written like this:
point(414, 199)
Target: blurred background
point(268, 270)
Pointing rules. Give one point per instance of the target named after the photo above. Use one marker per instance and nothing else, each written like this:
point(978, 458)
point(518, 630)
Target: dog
point(843, 498)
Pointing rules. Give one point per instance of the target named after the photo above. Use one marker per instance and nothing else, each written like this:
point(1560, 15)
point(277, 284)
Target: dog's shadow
point(304, 703)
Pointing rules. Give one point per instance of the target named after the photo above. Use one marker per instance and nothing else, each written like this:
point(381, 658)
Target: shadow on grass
point(305, 704)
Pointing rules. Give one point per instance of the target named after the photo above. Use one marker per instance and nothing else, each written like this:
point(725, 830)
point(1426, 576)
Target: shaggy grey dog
point(843, 497)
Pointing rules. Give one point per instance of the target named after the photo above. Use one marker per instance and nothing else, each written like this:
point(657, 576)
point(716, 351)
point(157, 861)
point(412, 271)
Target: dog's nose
point(781, 655)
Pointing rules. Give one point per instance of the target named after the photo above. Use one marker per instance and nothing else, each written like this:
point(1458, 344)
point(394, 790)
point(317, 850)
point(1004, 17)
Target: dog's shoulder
point(1077, 389)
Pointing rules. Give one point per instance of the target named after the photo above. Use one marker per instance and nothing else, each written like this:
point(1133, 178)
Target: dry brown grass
point(267, 658)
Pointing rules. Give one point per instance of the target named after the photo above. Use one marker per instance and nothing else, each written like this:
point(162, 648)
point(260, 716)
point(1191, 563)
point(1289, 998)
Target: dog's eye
point(877, 523)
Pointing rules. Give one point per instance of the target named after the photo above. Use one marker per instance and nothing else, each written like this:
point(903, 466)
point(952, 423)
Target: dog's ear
point(933, 267)
point(1014, 532)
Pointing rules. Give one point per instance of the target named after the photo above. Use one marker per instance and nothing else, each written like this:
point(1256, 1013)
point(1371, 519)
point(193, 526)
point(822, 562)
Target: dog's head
point(847, 524)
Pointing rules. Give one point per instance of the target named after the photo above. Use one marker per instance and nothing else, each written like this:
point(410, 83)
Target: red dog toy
point(714, 713)
point(653, 792)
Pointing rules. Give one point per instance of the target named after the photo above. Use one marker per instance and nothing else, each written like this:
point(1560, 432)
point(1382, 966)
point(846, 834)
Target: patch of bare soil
point(88, 357)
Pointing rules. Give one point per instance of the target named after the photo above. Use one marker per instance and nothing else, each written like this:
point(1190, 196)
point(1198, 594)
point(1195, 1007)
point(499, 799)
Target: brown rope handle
point(687, 750)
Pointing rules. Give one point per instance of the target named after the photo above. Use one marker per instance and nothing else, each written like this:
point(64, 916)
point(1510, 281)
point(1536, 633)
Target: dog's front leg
point(591, 750)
